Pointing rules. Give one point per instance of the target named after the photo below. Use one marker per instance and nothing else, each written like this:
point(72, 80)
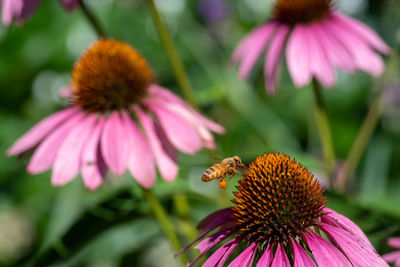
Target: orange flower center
point(111, 75)
point(301, 11)
point(277, 199)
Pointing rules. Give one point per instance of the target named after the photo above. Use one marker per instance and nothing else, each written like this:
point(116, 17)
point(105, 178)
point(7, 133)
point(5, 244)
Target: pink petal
point(180, 132)
point(280, 258)
point(298, 57)
point(363, 31)
point(39, 131)
point(91, 174)
point(141, 161)
point(301, 257)
point(337, 53)
point(394, 242)
point(274, 56)
point(68, 160)
point(365, 58)
point(359, 253)
point(392, 257)
point(115, 151)
point(165, 161)
point(267, 257)
point(10, 9)
point(46, 152)
point(245, 259)
point(338, 220)
point(208, 243)
point(320, 63)
point(219, 257)
point(250, 49)
point(325, 254)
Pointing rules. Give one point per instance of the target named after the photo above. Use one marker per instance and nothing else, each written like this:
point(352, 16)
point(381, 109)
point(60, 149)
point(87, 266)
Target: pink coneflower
point(281, 219)
point(119, 120)
point(316, 39)
point(393, 257)
point(20, 10)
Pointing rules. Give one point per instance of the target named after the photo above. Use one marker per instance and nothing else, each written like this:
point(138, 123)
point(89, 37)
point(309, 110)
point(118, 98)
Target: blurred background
point(70, 226)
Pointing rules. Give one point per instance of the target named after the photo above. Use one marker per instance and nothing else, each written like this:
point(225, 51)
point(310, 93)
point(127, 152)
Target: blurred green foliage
point(70, 226)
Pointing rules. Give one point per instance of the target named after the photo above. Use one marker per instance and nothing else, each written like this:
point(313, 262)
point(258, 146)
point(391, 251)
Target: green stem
point(324, 130)
point(177, 65)
point(360, 144)
point(92, 19)
point(166, 225)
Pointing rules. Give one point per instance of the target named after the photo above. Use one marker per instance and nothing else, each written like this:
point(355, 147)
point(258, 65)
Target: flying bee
point(219, 171)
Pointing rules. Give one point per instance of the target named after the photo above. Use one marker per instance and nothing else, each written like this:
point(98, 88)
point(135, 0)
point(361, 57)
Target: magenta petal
point(280, 258)
point(39, 131)
point(68, 160)
point(325, 254)
point(359, 253)
point(274, 58)
point(219, 257)
point(298, 57)
point(141, 161)
point(91, 174)
point(166, 163)
point(338, 220)
point(45, 154)
point(69, 4)
point(266, 258)
point(301, 257)
point(250, 49)
point(363, 30)
point(114, 149)
point(180, 132)
point(394, 242)
point(245, 259)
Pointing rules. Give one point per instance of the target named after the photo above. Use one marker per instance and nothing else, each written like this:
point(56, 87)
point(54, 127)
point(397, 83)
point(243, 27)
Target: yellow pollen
point(110, 75)
point(301, 11)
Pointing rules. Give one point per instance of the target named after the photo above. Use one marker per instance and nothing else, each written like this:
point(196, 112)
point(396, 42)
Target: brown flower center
point(277, 199)
point(301, 11)
point(110, 75)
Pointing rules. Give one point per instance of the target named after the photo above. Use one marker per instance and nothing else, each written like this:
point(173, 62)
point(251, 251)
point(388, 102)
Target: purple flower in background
point(316, 39)
point(281, 219)
point(393, 257)
point(119, 120)
point(213, 10)
point(20, 10)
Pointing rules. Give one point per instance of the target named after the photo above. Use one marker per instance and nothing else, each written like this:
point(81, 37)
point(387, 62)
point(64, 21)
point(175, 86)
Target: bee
point(219, 171)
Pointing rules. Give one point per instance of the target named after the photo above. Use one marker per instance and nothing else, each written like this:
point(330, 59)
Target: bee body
point(219, 171)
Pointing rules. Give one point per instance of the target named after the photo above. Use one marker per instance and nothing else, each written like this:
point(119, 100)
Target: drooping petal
point(298, 57)
point(141, 161)
point(46, 152)
point(319, 61)
point(280, 258)
point(39, 131)
point(245, 259)
point(392, 257)
point(114, 149)
point(266, 258)
point(91, 173)
point(363, 31)
point(250, 49)
point(359, 253)
point(333, 218)
point(68, 159)
point(219, 257)
point(394, 242)
point(274, 56)
point(180, 132)
point(209, 242)
point(166, 164)
point(10, 9)
point(325, 254)
point(300, 256)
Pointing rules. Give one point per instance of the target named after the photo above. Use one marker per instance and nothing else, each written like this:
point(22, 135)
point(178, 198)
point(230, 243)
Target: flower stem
point(92, 19)
point(324, 129)
point(166, 225)
point(177, 65)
